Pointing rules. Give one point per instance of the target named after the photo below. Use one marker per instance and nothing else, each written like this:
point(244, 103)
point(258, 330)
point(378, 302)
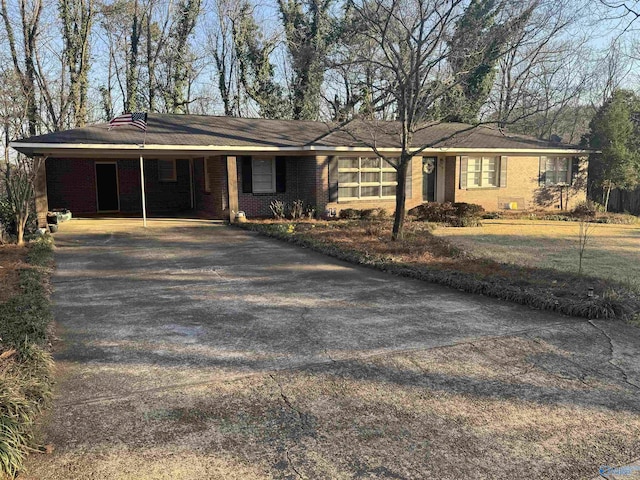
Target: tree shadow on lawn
point(467, 411)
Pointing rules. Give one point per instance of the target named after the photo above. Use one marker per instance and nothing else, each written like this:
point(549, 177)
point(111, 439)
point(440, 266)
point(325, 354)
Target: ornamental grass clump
point(25, 364)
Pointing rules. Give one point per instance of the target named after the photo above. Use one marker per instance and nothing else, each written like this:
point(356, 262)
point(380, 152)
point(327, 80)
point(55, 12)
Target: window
point(556, 170)
point(480, 172)
point(167, 170)
point(365, 177)
point(263, 170)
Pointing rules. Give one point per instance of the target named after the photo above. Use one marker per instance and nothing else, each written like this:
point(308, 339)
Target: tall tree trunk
point(401, 192)
point(132, 68)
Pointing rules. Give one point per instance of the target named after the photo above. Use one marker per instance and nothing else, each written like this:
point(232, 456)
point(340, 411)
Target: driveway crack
point(611, 361)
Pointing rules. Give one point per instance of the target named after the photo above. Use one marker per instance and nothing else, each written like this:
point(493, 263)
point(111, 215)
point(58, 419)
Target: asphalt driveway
point(195, 350)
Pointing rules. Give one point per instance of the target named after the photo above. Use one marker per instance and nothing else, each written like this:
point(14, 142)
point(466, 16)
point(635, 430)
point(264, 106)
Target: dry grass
point(12, 260)
point(612, 252)
point(496, 408)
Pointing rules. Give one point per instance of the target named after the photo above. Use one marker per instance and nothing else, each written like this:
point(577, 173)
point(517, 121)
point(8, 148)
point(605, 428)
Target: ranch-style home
point(216, 166)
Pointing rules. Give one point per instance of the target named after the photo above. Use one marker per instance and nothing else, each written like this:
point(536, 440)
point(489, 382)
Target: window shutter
point(247, 177)
point(408, 189)
point(333, 179)
point(503, 172)
point(542, 168)
point(574, 170)
point(464, 162)
point(281, 174)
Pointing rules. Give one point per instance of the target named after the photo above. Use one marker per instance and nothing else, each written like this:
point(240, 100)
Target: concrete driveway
point(195, 350)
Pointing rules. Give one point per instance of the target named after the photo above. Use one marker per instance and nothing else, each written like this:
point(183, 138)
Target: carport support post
point(232, 187)
point(40, 188)
point(144, 203)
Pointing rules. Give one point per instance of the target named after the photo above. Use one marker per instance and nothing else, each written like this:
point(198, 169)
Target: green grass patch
point(25, 364)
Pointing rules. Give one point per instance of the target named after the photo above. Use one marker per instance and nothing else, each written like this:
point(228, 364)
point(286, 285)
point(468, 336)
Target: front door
point(107, 187)
point(429, 169)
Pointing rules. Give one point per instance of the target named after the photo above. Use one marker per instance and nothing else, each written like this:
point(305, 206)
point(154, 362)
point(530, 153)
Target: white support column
point(144, 203)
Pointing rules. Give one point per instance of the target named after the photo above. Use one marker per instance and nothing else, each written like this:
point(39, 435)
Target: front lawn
point(427, 256)
point(612, 252)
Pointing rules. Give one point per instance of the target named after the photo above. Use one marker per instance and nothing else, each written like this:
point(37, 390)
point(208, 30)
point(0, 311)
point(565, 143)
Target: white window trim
point(359, 184)
point(567, 181)
point(174, 176)
point(482, 158)
point(272, 189)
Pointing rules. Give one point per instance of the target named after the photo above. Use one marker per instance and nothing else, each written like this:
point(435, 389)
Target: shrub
point(297, 209)
point(585, 209)
point(454, 214)
point(468, 210)
point(310, 212)
point(349, 214)
point(368, 213)
point(278, 208)
point(433, 212)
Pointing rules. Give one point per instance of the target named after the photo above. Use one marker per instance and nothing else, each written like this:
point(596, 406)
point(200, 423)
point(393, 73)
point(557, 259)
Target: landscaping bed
point(25, 362)
point(424, 256)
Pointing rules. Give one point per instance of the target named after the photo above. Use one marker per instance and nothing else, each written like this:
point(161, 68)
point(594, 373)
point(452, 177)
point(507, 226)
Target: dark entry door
point(429, 169)
point(107, 186)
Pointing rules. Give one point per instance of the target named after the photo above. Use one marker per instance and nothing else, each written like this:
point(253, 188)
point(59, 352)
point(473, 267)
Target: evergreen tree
point(615, 132)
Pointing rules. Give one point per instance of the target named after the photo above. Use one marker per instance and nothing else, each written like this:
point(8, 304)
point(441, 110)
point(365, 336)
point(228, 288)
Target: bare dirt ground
point(197, 351)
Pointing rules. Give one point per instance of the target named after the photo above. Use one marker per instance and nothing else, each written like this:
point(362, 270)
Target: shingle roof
point(213, 131)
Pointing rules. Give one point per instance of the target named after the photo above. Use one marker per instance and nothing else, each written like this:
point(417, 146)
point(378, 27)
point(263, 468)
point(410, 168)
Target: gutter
point(83, 147)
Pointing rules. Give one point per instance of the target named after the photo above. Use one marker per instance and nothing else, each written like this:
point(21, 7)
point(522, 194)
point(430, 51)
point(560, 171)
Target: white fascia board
point(50, 147)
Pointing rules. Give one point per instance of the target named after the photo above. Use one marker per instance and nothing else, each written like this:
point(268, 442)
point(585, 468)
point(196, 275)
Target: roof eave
point(32, 149)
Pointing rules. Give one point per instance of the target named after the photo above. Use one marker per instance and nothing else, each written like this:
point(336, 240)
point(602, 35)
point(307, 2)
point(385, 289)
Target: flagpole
point(144, 203)
point(138, 120)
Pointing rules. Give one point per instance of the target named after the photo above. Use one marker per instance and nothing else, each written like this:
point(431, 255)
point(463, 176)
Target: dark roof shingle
point(205, 131)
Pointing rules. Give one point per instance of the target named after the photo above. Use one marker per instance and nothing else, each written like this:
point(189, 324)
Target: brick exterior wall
point(212, 202)
point(521, 187)
point(300, 185)
point(71, 184)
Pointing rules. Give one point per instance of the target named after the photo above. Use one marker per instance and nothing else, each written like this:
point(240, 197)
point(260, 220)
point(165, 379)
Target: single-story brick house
point(215, 166)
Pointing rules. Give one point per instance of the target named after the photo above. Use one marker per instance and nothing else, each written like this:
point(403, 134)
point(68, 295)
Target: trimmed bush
point(453, 214)
point(349, 214)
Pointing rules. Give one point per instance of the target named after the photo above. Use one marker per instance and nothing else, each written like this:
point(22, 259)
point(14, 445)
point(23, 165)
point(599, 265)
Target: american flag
point(137, 119)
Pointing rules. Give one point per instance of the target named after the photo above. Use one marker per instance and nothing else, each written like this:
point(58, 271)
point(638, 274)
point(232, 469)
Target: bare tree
point(77, 21)
point(410, 37)
point(310, 33)
point(30, 11)
point(221, 46)
point(19, 180)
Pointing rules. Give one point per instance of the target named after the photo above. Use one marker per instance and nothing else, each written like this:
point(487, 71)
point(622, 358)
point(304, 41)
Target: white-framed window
point(482, 172)
point(366, 177)
point(263, 172)
point(557, 171)
point(167, 170)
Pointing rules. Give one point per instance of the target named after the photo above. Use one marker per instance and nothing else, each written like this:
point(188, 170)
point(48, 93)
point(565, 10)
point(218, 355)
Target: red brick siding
point(212, 203)
point(300, 185)
point(129, 185)
point(71, 184)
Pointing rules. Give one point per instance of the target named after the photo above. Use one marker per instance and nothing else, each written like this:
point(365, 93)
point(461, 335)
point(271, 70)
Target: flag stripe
point(137, 119)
